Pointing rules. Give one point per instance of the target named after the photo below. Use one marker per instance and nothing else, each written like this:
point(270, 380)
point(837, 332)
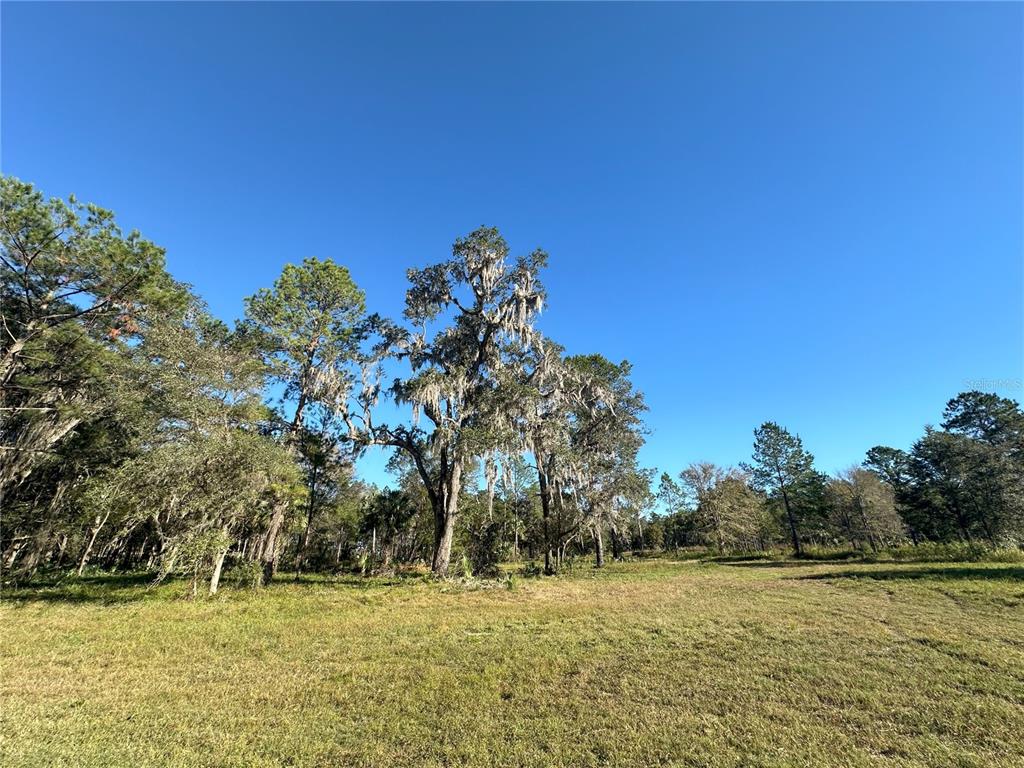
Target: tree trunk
point(443, 535)
point(270, 545)
point(218, 565)
point(545, 505)
point(62, 548)
point(308, 534)
point(92, 541)
point(616, 544)
point(598, 546)
point(792, 523)
point(444, 519)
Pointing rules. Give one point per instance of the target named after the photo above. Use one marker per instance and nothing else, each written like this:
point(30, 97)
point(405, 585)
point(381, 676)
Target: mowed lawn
point(643, 664)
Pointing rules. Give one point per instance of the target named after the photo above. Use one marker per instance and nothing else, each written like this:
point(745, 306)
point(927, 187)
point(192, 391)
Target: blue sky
point(808, 213)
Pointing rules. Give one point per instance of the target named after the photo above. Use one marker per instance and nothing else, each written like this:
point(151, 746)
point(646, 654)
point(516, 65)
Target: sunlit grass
point(648, 663)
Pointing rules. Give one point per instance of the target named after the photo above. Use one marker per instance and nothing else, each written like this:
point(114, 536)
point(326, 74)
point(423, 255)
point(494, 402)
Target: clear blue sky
point(809, 213)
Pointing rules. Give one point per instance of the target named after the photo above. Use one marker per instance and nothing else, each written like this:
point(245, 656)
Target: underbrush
point(951, 553)
point(926, 552)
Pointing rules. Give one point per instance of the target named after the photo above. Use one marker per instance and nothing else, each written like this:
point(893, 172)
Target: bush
point(482, 551)
point(958, 552)
point(531, 568)
point(246, 574)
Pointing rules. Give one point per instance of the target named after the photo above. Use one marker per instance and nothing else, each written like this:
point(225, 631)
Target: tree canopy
point(139, 431)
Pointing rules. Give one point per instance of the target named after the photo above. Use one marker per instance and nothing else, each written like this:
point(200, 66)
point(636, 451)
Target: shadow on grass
point(123, 588)
point(102, 588)
point(766, 563)
point(729, 559)
point(939, 572)
point(354, 580)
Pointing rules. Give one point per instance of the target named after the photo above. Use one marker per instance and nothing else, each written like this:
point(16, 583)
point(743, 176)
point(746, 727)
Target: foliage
point(965, 481)
point(464, 315)
point(139, 432)
point(783, 470)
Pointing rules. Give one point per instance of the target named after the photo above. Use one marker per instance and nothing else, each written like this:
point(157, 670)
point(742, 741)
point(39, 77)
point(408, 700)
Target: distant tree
point(863, 509)
point(517, 484)
point(725, 512)
point(969, 489)
point(893, 467)
point(992, 420)
point(681, 528)
point(966, 480)
point(539, 413)
point(940, 492)
point(329, 477)
point(995, 471)
point(389, 514)
point(740, 521)
point(700, 482)
point(784, 470)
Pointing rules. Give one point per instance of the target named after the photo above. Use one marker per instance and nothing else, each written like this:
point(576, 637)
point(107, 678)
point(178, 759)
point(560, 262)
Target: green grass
point(648, 663)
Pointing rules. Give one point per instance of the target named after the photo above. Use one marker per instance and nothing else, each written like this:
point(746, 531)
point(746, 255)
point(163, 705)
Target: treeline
point(140, 432)
point(137, 431)
point(963, 482)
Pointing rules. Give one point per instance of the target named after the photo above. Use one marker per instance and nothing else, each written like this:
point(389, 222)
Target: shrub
point(246, 574)
point(483, 545)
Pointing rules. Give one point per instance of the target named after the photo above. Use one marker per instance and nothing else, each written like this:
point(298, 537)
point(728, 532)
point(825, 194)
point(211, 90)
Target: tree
point(723, 510)
point(742, 520)
point(680, 518)
point(939, 465)
point(966, 480)
point(73, 287)
point(208, 471)
point(309, 328)
point(328, 480)
point(893, 467)
point(538, 414)
point(783, 469)
point(388, 515)
point(605, 435)
point(863, 510)
point(464, 315)
point(968, 490)
point(196, 495)
point(994, 460)
point(987, 418)
point(518, 488)
point(700, 481)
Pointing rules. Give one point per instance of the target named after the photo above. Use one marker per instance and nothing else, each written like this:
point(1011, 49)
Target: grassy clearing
point(647, 663)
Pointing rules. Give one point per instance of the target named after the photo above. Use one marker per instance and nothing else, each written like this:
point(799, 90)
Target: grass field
point(642, 664)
